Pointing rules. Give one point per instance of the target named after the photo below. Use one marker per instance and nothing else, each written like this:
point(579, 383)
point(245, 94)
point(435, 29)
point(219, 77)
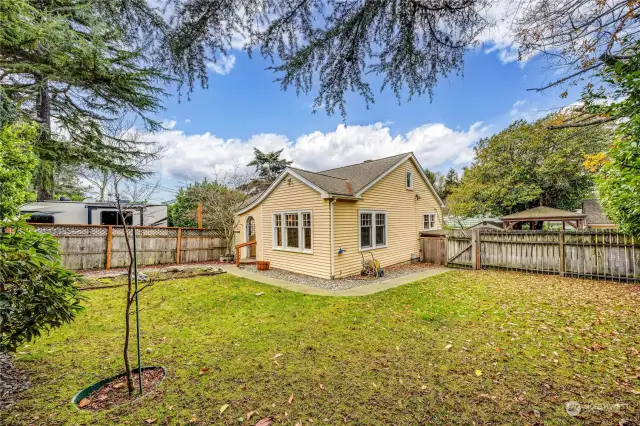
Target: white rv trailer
point(95, 213)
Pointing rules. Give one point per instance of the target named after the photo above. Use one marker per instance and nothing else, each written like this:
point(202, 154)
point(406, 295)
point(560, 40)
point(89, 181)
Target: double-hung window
point(292, 231)
point(409, 179)
point(429, 221)
point(373, 229)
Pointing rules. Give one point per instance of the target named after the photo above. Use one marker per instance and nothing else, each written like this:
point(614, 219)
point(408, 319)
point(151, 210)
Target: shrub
point(36, 292)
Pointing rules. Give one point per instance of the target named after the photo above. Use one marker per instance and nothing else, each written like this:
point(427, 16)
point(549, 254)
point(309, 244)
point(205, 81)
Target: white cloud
point(187, 120)
point(168, 124)
point(193, 157)
point(222, 66)
point(500, 38)
point(520, 110)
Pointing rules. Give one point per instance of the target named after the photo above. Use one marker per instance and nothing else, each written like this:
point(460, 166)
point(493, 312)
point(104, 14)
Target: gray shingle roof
point(343, 181)
point(329, 184)
point(595, 215)
point(543, 213)
point(362, 174)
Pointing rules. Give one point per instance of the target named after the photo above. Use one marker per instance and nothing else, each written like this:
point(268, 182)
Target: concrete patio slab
point(374, 287)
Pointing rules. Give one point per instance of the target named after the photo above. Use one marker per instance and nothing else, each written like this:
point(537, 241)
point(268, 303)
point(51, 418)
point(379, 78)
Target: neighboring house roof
point(595, 215)
point(250, 199)
point(470, 222)
point(348, 182)
point(487, 225)
point(543, 213)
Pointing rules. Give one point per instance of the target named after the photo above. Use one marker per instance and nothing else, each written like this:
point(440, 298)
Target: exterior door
point(251, 235)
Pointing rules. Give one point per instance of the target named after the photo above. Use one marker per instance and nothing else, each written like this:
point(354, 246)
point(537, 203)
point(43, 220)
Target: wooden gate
point(433, 249)
point(458, 249)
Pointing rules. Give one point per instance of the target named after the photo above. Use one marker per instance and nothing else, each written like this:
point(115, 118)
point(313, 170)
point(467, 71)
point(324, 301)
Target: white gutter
point(333, 274)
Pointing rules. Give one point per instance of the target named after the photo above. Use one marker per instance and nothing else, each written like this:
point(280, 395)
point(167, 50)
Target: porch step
point(248, 261)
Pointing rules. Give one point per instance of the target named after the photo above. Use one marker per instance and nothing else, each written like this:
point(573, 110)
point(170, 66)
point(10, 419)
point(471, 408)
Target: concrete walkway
point(364, 290)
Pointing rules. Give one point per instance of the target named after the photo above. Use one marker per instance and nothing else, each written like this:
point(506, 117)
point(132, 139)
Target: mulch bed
point(115, 393)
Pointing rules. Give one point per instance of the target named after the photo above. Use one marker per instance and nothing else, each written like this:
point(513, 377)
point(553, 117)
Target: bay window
point(372, 229)
point(292, 231)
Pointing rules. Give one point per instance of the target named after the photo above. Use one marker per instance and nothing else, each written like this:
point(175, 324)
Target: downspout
point(333, 274)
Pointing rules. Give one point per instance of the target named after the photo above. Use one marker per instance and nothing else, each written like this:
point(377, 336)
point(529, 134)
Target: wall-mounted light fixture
point(417, 197)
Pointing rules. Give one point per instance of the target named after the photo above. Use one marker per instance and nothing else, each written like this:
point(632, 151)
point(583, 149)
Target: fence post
point(476, 262)
point(179, 245)
point(107, 263)
point(561, 253)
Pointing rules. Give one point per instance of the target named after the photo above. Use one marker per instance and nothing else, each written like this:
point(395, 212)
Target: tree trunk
point(44, 179)
point(127, 319)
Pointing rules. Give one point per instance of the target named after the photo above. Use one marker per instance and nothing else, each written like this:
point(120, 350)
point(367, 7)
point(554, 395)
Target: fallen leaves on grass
point(265, 422)
point(478, 372)
point(150, 421)
point(84, 402)
point(290, 400)
point(224, 408)
point(204, 370)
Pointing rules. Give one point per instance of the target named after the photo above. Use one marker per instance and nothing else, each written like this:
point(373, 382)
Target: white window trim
point(409, 172)
point(373, 229)
point(300, 248)
point(435, 221)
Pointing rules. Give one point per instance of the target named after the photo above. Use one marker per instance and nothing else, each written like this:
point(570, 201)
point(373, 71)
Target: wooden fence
point(598, 254)
point(105, 247)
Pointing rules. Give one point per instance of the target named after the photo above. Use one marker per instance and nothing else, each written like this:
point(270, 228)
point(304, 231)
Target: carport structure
point(536, 217)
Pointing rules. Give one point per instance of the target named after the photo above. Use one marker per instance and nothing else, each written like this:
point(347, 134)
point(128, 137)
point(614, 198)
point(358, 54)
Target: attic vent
point(367, 161)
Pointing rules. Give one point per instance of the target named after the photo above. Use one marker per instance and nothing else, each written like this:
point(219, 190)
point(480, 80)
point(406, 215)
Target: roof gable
point(348, 182)
point(362, 174)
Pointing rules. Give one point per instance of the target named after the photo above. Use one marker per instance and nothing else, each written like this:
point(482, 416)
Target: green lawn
point(462, 347)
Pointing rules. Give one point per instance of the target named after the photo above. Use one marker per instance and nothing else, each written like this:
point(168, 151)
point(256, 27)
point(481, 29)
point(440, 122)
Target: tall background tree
point(596, 45)
point(17, 163)
point(443, 184)
point(618, 167)
point(72, 69)
point(268, 166)
point(334, 43)
point(528, 165)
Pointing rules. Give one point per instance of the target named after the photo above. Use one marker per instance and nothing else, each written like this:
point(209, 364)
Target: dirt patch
point(148, 276)
point(115, 393)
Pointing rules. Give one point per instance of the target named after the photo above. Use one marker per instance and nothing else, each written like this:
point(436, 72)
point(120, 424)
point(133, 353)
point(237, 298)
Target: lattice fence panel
point(71, 230)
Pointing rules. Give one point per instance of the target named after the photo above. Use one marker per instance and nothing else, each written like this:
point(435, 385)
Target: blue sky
point(213, 134)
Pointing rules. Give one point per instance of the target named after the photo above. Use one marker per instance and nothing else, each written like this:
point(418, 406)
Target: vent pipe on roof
point(367, 161)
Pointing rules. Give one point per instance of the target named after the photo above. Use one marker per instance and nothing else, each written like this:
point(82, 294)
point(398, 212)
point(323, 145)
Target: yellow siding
point(291, 194)
point(404, 220)
point(241, 236)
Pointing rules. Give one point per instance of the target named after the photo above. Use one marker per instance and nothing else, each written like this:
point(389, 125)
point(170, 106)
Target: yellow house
point(322, 223)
